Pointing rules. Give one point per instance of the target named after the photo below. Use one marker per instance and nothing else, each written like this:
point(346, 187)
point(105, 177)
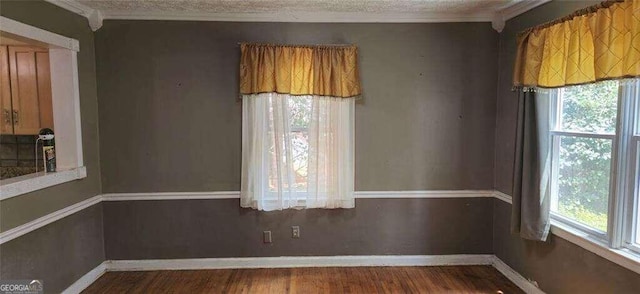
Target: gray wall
point(24, 208)
point(558, 266)
point(220, 228)
point(171, 119)
point(61, 252)
point(427, 121)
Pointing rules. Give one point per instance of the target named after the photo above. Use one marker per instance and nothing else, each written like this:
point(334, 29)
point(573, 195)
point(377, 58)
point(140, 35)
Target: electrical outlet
point(295, 232)
point(266, 237)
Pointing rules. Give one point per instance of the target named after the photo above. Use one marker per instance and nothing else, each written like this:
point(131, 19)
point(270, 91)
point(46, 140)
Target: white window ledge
point(28, 183)
point(622, 257)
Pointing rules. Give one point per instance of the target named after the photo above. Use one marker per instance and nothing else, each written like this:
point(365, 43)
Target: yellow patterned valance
point(299, 70)
point(597, 43)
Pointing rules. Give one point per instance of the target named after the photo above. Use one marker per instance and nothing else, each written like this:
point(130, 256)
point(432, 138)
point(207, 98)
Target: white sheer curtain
point(297, 152)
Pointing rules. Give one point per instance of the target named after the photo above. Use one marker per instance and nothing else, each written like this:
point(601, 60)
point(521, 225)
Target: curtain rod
point(296, 45)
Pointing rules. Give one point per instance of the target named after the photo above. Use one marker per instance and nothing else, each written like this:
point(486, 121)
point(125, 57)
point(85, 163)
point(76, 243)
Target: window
point(65, 104)
point(298, 125)
point(298, 109)
point(297, 151)
point(595, 161)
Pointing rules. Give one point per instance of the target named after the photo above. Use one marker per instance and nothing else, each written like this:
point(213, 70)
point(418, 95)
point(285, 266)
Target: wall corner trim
point(498, 22)
point(94, 16)
point(515, 277)
point(88, 279)
point(520, 7)
point(502, 196)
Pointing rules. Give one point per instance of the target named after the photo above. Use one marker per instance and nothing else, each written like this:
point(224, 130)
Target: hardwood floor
point(444, 279)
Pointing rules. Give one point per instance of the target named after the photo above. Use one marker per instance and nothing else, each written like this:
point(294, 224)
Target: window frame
point(623, 226)
point(629, 220)
point(65, 87)
point(556, 134)
point(271, 196)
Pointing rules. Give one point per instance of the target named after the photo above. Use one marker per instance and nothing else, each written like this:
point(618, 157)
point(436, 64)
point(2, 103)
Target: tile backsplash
point(19, 151)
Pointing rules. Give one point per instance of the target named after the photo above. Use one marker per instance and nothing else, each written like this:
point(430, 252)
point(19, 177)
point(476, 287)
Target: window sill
point(28, 183)
point(622, 257)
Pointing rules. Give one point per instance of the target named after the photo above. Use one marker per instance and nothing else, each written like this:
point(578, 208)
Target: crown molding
point(94, 16)
point(512, 10)
point(497, 19)
point(520, 7)
point(304, 17)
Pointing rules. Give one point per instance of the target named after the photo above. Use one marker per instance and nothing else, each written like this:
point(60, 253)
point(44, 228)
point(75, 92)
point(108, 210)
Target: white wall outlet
point(266, 237)
point(295, 232)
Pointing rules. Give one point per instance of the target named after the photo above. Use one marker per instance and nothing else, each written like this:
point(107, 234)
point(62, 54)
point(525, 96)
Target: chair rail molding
point(219, 195)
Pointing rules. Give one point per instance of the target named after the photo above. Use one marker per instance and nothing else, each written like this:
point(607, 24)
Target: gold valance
point(597, 43)
point(299, 70)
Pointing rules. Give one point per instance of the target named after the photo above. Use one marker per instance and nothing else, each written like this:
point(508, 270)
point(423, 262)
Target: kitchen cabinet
point(25, 79)
point(6, 120)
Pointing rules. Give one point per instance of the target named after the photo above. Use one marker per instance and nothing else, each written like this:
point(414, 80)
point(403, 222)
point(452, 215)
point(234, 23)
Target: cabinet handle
point(7, 116)
point(15, 117)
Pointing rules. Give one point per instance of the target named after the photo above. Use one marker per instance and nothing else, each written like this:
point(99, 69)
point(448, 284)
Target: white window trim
point(616, 245)
point(622, 257)
point(633, 215)
point(555, 136)
point(629, 187)
point(66, 107)
point(32, 182)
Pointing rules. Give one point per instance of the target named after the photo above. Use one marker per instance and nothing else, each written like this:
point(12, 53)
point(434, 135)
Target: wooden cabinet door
point(6, 119)
point(30, 89)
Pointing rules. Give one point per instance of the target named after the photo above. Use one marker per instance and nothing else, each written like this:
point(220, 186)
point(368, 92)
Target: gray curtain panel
point(532, 167)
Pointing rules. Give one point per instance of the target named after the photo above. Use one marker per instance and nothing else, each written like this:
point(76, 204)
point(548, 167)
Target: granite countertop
point(12, 172)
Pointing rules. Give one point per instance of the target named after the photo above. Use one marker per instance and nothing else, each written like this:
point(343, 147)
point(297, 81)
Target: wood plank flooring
point(443, 279)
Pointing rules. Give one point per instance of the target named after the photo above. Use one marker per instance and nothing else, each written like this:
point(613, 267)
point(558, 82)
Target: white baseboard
point(527, 286)
point(298, 261)
point(302, 261)
point(86, 280)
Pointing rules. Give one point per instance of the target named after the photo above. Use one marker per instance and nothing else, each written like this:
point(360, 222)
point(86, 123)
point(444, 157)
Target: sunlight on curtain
point(297, 152)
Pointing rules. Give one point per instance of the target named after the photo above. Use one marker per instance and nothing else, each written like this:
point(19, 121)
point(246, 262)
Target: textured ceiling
point(266, 6)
